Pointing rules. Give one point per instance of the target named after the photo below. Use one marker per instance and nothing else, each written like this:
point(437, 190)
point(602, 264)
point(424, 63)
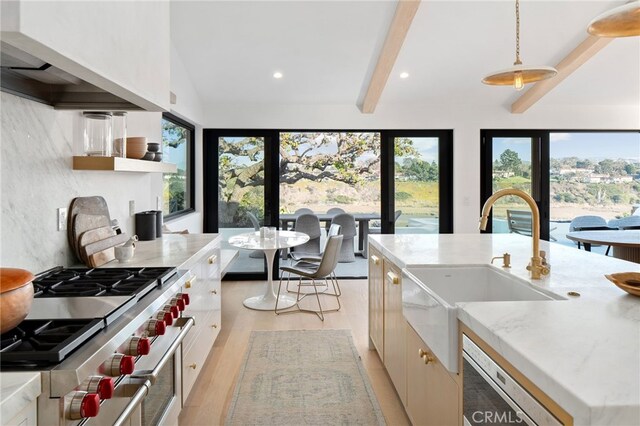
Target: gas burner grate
point(101, 282)
point(45, 341)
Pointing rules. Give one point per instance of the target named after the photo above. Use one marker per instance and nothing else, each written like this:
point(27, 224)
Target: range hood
point(24, 75)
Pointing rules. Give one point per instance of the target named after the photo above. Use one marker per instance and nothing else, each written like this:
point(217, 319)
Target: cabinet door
point(394, 329)
point(376, 305)
point(432, 394)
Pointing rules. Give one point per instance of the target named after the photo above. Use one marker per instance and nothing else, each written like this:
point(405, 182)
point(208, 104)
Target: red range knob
point(138, 346)
point(173, 309)
point(155, 327)
point(184, 296)
point(83, 405)
point(177, 301)
point(165, 316)
point(119, 364)
point(103, 386)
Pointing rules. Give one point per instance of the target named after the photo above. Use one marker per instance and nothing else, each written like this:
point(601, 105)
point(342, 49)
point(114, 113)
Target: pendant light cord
point(517, 62)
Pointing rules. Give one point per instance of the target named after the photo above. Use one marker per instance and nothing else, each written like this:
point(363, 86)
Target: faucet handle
point(506, 260)
point(543, 257)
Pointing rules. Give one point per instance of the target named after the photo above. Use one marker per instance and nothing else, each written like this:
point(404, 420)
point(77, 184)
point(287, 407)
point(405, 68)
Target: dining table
point(625, 243)
point(269, 245)
point(363, 220)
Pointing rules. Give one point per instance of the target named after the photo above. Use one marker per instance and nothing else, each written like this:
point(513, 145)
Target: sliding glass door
point(237, 194)
point(389, 181)
point(592, 174)
point(568, 173)
point(421, 166)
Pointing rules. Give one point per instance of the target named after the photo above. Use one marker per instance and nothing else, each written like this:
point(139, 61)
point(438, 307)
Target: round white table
point(253, 241)
point(626, 244)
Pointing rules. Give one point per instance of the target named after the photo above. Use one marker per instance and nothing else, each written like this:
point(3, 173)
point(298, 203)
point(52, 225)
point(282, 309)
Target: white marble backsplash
point(36, 146)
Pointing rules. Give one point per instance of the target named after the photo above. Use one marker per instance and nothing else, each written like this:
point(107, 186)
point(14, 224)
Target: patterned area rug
point(303, 377)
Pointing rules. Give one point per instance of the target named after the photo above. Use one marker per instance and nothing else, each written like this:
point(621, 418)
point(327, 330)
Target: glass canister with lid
point(98, 139)
point(119, 134)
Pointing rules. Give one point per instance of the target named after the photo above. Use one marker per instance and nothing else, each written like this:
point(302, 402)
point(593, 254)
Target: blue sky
point(593, 145)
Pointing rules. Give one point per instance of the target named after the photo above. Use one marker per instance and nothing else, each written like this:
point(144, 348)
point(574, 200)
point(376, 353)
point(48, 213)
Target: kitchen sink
point(430, 295)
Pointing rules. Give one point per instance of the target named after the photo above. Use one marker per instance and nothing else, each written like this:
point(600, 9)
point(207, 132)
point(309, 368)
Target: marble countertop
point(583, 352)
point(18, 390)
point(172, 250)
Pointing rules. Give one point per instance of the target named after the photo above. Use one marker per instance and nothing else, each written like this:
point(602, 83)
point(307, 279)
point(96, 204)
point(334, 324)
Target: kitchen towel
point(303, 377)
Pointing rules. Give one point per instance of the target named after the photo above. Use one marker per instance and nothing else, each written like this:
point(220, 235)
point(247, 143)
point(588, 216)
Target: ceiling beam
point(405, 11)
point(581, 54)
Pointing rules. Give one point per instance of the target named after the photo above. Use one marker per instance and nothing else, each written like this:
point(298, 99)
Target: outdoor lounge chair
point(590, 223)
point(519, 222)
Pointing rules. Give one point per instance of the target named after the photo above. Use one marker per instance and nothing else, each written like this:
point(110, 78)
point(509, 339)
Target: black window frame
point(190, 207)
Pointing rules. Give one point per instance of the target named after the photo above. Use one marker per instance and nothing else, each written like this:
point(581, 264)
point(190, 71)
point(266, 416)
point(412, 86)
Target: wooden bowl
point(136, 147)
point(627, 281)
point(16, 296)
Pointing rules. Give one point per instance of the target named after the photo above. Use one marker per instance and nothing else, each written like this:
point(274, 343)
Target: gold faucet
point(537, 267)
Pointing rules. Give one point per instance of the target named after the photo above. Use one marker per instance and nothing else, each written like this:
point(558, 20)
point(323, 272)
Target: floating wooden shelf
point(119, 164)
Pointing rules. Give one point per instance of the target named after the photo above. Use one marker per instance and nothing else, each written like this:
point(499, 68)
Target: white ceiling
point(327, 50)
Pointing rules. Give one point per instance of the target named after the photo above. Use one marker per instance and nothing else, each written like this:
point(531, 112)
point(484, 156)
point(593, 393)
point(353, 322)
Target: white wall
point(188, 106)
point(36, 146)
point(465, 120)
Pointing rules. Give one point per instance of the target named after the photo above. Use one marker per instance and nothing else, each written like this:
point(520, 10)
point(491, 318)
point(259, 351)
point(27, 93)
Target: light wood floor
point(210, 398)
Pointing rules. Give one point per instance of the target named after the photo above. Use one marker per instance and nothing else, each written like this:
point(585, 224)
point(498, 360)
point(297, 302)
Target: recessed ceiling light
point(404, 74)
point(277, 74)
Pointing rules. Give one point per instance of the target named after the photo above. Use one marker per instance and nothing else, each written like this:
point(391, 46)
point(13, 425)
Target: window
point(177, 148)
point(570, 173)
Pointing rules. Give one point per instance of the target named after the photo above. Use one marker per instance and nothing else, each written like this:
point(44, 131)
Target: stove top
point(99, 282)
point(72, 305)
point(37, 342)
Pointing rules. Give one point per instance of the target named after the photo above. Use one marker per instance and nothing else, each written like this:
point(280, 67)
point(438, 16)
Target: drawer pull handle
point(212, 259)
point(187, 284)
point(375, 259)
point(214, 292)
point(194, 365)
point(214, 325)
point(426, 356)
point(393, 278)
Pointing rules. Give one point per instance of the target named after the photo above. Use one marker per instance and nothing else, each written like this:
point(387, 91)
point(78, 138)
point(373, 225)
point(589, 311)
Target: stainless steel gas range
point(107, 344)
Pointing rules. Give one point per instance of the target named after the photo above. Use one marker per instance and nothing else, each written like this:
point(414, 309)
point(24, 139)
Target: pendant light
point(519, 75)
point(622, 21)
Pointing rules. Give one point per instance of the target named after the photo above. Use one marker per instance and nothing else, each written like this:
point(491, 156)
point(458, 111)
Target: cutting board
point(104, 244)
point(85, 222)
point(95, 205)
point(93, 236)
point(98, 259)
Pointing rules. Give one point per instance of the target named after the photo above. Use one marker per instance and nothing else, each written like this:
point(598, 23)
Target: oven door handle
point(152, 375)
point(136, 400)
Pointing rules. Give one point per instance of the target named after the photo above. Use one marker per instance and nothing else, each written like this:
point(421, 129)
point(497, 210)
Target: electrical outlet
point(62, 219)
point(158, 203)
point(132, 207)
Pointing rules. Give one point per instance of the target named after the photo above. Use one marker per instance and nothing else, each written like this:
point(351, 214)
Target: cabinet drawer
point(205, 322)
point(204, 295)
point(211, 264)
point(194, 355)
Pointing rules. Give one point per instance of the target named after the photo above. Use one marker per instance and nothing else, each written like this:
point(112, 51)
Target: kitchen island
point(583, 352)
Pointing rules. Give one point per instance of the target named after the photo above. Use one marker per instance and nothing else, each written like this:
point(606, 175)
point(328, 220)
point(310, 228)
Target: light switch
point(62, 219)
